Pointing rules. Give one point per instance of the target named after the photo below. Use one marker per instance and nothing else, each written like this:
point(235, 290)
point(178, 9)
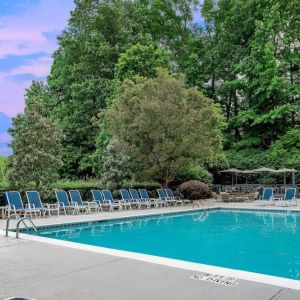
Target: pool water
point(258, 241)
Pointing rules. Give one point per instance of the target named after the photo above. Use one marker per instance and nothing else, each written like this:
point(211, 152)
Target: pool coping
point(175, 263)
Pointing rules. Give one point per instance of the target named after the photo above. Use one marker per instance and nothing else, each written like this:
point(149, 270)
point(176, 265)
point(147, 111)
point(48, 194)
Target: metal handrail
point(7, 222)
point(23, 220)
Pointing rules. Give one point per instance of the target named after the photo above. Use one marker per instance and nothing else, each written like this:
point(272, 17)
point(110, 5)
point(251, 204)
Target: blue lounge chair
point(77, 200)
point(98, 198)
point(163, 198)
point(107, 195)
point(267, 197)
point(289, 198)
point(34, 202)
point(170, 196)
point(15, 205)
point(136, 197)
point(64, 203)
point(145, 197)
point(127, 201)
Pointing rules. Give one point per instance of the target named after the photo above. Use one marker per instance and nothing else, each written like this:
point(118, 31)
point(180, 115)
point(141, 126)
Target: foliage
point(82, 82)
point(195, 190)
point(3, 170)
point(90, 183)
point(163, 126)
point(115, 166)
point(143, 60)
point(148, 185)
point(194, 172)
point(246, 56)
point(36, 146)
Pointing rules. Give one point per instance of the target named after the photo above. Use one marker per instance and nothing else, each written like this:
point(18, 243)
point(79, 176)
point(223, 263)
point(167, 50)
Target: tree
point(163, 126)
point(3, 170)
point(141, 60)
point(36, 146)
point(115, 168)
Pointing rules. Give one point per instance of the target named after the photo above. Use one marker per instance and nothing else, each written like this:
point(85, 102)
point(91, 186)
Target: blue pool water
point(263, 242)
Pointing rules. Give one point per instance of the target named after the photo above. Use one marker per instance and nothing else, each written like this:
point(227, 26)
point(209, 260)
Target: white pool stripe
point(251, 276)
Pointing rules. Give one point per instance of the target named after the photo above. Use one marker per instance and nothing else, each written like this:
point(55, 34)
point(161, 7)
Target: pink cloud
point(12, 96)
point(24, 34)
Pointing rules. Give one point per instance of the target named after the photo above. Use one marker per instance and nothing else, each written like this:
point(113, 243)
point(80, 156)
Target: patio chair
point(289, 198)
point(163, 198)
point(15, 205)
point(84, 205)
point(225, 197)
point(266, 198)
point(145, 197)
point(65, 205)
point(127, 201)
point(35, 202)
point(107, 196)
point(136, 197)
point(217, 197)
point(170, 196)
point(98, 198)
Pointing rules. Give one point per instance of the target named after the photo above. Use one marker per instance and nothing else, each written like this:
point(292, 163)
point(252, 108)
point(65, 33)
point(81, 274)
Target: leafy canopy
point(36, 146)
point(163, 126)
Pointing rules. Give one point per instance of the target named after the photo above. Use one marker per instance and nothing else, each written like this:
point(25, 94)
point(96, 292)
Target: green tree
point(82, 82)
point(141, 60)
point(163, 126)
point(3, 170)
point(36, 146)
point(115, 168)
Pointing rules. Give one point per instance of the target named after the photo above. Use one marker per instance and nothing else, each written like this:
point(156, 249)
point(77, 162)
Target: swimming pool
point(265, 242)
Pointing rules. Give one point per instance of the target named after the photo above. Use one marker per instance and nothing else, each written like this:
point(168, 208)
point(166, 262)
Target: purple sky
point(28, 30)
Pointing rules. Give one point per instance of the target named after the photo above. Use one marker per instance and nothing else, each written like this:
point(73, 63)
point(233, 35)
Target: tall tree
point(36, 146)
point(83, 76)
point(163, 126)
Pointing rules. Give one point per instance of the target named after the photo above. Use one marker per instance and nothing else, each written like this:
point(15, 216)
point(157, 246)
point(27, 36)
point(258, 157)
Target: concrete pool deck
point(42, 271)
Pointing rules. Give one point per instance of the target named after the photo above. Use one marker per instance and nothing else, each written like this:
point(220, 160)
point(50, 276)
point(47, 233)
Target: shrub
point(195, 190)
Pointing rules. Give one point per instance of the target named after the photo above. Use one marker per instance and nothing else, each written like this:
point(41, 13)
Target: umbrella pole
point(293, 178)
point(284, 179)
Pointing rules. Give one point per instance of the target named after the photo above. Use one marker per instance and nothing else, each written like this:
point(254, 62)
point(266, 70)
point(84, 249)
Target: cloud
point(24, 33)
point(28, 30)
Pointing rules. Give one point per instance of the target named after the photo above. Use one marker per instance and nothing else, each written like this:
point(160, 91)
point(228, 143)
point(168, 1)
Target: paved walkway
point(42, 271)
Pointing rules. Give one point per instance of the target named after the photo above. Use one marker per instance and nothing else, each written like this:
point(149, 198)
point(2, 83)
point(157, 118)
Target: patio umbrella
point(249, 172)
point(286, 170)
point(264, 170)
point(232, 171)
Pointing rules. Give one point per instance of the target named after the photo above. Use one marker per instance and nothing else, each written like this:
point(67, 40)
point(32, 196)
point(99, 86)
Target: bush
point(195, 190)
point(194, 172)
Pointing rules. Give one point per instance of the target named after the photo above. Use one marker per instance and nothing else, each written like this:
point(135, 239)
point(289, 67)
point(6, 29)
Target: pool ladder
point(21, 220)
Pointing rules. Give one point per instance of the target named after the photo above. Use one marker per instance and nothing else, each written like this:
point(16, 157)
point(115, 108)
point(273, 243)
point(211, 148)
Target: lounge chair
point(65, 205)
point(34, 202)
point(127, 201)
point(267, 197)
point(107, 195)
point(136, 197)
point(170, 196)
point(145, 197)
point(15, 205)
point(289, 198)
point(77, 200)
point(163, 198)
point(98, 198)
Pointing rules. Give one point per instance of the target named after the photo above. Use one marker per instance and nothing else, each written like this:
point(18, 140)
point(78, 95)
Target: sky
point(28, 30)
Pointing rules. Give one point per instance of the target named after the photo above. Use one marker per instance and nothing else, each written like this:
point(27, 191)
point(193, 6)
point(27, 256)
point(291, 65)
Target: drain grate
point(224, 280)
